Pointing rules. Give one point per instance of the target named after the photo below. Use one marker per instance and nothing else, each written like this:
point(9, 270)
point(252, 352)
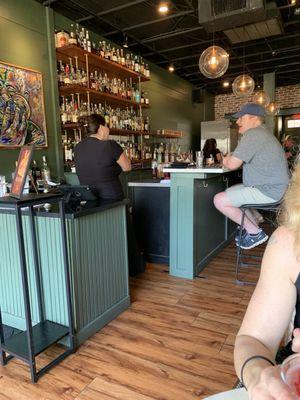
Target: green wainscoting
point(198, 231)
point(97, 246)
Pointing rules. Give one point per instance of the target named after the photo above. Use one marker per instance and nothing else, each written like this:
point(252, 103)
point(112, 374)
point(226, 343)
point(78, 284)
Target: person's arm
point(232, 162)
point(267, 318)
point(219, 157)
point(124, 162)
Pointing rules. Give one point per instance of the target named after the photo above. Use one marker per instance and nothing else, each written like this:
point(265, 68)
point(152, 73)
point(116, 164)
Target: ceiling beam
point(110, 10)
point(278, 50)
point(116, 27)
point(185, 46)
point(151, 22)
point(170, 34)
point(48, 2)
point(273, 59)
point(262, 68)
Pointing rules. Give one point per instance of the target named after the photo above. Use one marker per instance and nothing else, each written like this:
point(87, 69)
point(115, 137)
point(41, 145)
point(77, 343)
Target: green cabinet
point(97, 247)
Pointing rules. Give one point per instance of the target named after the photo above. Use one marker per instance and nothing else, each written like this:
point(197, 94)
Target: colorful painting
point(22, 114)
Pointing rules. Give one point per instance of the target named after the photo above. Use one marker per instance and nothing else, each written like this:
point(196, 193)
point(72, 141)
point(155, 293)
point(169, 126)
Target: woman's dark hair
point(209, 145)
point(93, 122)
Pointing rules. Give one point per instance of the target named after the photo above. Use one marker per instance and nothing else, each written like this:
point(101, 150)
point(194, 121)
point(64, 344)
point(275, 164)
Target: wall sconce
point(213, 62)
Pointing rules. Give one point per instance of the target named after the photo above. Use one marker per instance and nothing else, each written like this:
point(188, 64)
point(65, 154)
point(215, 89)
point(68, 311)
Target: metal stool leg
point(239, 259)
point(239, 249)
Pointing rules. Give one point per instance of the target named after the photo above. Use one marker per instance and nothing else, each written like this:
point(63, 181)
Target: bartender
point(265, 173)
point(99, 161)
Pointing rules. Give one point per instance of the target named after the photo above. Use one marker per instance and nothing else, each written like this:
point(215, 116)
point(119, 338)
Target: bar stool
point(270, 212)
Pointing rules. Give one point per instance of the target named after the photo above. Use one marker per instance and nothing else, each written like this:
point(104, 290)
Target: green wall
point(26, 30)
point(23, 32)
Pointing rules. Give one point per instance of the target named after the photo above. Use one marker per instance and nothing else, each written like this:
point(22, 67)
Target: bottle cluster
point(81, 38)
point(72, 112)
point(125, 89)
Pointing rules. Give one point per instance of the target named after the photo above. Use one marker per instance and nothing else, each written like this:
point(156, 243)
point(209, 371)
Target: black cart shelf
point(26, 345)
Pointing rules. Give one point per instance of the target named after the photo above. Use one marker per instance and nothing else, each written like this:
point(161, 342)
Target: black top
point(96, 166)
point(286, 351)
point(214, 152)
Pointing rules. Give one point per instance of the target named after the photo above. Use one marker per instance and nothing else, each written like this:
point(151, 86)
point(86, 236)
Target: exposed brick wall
point(285, 97)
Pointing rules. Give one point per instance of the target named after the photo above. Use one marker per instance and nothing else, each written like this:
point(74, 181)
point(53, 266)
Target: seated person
point(291, 149)
point(275, 303)
point(265, 173)
point(210, 151)
point(99, 160)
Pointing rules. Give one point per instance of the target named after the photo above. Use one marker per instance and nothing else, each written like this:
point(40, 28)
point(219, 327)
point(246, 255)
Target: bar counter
point(198, 231)
point(97, 247)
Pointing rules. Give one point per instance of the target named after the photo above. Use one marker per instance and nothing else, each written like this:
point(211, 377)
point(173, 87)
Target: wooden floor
point(174, 342)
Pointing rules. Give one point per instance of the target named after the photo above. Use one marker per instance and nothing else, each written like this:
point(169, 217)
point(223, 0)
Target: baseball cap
point(251, 109)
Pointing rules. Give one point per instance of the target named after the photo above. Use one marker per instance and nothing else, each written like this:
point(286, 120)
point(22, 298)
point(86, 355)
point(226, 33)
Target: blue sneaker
point(249, 241)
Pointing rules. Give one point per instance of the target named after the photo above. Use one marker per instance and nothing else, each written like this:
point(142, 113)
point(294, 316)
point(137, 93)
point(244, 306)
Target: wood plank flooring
point(174, 342)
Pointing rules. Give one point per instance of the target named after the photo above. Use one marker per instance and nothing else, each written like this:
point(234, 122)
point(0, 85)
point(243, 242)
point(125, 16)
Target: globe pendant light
point(272, 109)
point(243, 85)
point(213, 62)
point(262, 98)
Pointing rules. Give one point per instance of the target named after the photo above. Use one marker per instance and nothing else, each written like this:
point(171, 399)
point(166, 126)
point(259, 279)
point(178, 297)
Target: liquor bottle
point(72, 38)
point(35, 172)
point(45, 171)
point(88, 42)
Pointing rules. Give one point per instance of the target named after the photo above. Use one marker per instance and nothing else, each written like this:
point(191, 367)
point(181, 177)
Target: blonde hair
point(290, 213)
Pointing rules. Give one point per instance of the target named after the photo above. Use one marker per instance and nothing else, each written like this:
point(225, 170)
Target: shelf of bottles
point(105, 80)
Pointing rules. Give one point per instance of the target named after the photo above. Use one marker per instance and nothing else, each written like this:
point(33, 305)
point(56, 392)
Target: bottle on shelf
point(72, 38)
point(45, 172)
point(35, 172)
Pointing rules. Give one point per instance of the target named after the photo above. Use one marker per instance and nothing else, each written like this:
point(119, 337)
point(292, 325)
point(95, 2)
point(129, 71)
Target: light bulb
point(243, 85)
point(213, 62)
point(163, 8)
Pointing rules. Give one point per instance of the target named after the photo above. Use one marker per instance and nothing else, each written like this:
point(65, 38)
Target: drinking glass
point(199, 159)
point(290, 373)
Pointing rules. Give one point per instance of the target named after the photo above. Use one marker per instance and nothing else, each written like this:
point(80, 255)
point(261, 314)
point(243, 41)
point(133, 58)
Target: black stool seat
point(272, 209)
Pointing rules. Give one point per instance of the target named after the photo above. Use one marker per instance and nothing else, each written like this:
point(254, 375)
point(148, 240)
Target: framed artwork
point(21, 172)
point(22, 113)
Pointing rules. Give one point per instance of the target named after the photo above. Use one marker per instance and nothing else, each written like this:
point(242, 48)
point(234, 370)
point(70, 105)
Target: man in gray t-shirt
point(265, 173)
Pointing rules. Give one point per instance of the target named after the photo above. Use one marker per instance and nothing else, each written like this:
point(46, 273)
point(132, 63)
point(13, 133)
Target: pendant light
point(213, 61)
point(243, 85)
point(272, 108)
point(262, 98)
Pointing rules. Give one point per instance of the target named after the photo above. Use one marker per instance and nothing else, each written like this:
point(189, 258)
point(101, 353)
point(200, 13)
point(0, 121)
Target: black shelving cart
point(28, 344)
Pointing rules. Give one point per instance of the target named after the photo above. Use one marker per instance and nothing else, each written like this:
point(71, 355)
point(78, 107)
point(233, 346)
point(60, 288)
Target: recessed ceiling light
point(225, 83)
point(171, 68)
point(163, 8)
point(293, 2)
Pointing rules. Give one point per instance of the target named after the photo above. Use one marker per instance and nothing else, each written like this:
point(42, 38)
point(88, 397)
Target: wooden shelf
point(113, 131)
point(45, 334)
point(167, 136)
point(63, 53)
point(95, 95)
